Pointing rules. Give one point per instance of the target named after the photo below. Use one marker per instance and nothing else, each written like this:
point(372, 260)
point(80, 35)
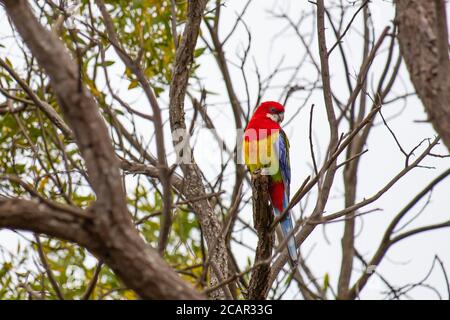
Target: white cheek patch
point(272, 117)
point(276, 117)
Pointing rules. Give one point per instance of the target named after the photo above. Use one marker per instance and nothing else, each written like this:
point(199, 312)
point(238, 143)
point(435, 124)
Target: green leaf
point(108, 63)
point(198, 52)
point(8, 62)
point(133, 84)
point(158, 91)
point(326, 281)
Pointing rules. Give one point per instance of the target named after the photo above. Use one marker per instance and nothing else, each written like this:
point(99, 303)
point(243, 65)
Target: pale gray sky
point(405, 262)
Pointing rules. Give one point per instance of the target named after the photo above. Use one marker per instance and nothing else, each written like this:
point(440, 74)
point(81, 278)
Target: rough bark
point(108, 232)
point(163, 169)
point(423, 42)
point(58, 222)
point(262, 219)
point(193, 185)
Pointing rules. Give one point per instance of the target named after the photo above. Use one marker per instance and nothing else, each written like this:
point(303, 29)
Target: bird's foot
point(256, 171)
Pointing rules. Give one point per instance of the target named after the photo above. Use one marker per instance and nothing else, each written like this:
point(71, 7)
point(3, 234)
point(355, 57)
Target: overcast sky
point(405, 262)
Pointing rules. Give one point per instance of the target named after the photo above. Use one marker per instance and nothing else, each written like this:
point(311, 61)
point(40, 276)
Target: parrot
point(266, 148)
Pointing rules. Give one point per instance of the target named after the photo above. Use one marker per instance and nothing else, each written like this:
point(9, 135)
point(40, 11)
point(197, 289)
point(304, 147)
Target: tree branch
point(193, 186)
point(423, 42)
point(262, 219)
point(110, 234)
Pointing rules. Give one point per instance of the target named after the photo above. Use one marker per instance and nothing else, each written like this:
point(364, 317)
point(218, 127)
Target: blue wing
point(282, 150)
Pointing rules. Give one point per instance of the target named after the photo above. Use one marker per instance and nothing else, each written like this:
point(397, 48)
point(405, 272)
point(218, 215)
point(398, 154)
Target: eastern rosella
point(266, 147)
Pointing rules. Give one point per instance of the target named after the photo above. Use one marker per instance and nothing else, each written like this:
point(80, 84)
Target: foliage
point(35, 151)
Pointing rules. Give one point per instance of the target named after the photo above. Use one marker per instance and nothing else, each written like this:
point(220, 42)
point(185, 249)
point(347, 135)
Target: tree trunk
point(423, 41)
point(262, 219)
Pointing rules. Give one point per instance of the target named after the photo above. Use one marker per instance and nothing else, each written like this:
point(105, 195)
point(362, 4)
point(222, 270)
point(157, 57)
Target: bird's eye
point(273, 110)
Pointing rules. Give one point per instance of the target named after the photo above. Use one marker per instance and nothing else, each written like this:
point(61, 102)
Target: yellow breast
point(260, 153)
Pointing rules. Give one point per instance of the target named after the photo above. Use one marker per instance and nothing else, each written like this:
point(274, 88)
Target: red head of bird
point(269, 110)
point(266, 117)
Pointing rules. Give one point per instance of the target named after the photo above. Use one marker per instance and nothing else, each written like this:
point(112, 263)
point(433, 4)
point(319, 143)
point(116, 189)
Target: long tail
point(286, 227)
